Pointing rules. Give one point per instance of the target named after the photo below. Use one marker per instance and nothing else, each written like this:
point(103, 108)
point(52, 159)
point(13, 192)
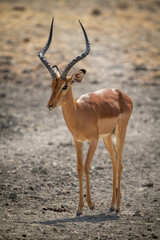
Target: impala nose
point(50, 106)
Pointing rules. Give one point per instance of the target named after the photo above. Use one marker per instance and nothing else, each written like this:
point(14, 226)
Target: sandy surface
point(38, 179)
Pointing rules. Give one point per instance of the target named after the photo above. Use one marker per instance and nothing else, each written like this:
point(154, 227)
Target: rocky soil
point(38, 179)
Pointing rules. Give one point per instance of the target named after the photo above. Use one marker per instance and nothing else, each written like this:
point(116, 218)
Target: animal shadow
point(88, 218)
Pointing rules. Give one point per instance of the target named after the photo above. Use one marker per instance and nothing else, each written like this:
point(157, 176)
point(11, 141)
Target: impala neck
point(69, 108)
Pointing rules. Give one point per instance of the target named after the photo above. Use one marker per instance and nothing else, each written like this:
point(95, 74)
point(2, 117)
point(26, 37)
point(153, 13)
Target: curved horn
point(77, 59)
point(44, 50)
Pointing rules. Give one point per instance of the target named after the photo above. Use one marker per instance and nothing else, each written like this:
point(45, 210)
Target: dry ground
point(38, 179)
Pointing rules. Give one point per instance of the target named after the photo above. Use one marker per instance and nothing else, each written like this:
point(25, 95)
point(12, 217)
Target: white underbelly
point(104, 135)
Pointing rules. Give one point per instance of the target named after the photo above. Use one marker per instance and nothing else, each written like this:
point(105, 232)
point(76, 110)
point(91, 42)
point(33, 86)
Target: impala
point(104, 113)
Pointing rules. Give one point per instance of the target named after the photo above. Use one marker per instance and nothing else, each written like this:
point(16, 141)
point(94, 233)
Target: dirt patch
point(38, 179)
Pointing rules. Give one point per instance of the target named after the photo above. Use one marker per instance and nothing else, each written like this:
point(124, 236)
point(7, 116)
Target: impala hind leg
point(79, 151)
point(113, 154)
point(90, 154)
point(120, 138)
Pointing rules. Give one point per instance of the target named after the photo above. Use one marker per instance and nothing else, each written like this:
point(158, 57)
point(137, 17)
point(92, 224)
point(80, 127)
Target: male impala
point(104, 113)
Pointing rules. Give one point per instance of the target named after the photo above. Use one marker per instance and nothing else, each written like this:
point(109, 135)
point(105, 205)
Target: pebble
point(5, 70)
point(96, 12)
point(43, 170)
point(94, 82)
point(154, 236)
point(26, 40)
point(67, 144)
point(123, 6)
point(26, 70)
point(19, 8)
point(137, 214)
point(140, 67)
point(31, 188)
point(66, 192)
point(147, 185)
point(2, 95)
point(12, 195)
point(34, 170)
point(40, 170)
point(99, 168)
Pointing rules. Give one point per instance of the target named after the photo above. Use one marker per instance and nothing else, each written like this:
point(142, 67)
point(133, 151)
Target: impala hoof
point(111, 209)
point(92, 207)
point(78, 214)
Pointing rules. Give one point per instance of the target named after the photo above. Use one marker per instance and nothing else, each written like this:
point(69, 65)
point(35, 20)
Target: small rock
point(65, 192)
point(26, 40)
point(144, 235)
point(128, 205)
point(67, 144)
point(34, 170)
point(147, 185)
point(157, 76)
point(96, 12)
point(154, 236)
point(5, 77)
point(19, 8)
point(38, 85)
point(45, 208)
point(140, 67)
point(123, 5)
point(12, 195)
point(43, 170)
point(31, 188)
point(96, 39)
point(119, 75)
point(26, 70)
point(50, 184)
point(2, 95)
point(37, 188)
point(99, 168)
point(4, 70)
point(6, 57)
point(149, 229)
point(137, 214)
point(94, 82)
point(58, 192)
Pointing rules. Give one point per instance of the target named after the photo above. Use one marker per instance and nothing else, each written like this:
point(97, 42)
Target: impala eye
point(65, 87)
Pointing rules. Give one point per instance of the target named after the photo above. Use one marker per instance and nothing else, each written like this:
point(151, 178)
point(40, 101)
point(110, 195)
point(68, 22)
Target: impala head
point(60, 81)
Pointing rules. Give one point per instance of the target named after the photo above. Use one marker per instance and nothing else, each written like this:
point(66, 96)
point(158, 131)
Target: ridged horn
point(44, 50)
point(78, 58)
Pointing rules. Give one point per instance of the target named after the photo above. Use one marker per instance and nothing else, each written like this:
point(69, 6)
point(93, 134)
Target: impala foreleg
point(79, 151)
point(113, 154)
point(90, 154)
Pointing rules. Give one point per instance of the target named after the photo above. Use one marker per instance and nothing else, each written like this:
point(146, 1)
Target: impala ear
point(78, 76)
